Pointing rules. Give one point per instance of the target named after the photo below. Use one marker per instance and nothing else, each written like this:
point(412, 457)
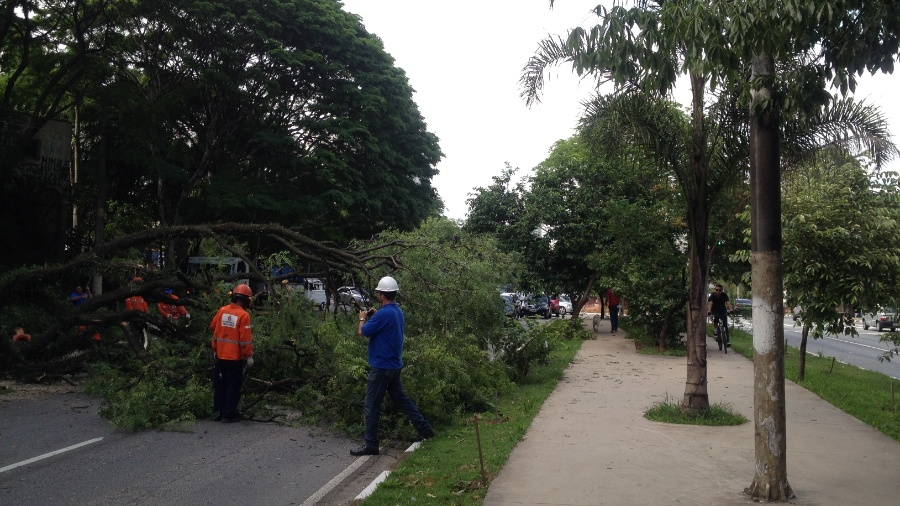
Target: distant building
point(36, 213)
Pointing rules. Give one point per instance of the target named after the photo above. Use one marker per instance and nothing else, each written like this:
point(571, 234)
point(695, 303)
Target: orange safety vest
point(136, 303)
point(171, 311)
point(232, 333)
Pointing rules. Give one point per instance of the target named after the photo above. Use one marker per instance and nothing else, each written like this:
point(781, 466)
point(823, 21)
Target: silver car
point(352, 296)
point(886, 319)
point(565, 305)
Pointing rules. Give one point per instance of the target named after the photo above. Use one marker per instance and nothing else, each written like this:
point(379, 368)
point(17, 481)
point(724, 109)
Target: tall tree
point(835, 257)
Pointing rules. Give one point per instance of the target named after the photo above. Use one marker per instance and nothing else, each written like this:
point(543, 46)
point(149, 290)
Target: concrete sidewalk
point(591, 445)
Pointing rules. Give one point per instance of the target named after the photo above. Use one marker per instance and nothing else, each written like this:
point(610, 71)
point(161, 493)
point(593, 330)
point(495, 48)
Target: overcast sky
point(464, 59)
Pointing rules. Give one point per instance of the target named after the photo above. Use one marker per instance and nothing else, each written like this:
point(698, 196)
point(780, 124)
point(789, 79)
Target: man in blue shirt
point(384, 328)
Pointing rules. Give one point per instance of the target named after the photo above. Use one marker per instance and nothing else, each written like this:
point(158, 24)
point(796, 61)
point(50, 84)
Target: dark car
point(536, 305)
point(352, 296)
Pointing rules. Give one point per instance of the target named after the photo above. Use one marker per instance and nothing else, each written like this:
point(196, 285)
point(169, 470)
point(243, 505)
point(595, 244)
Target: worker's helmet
point(242, 291)
point(387, 284)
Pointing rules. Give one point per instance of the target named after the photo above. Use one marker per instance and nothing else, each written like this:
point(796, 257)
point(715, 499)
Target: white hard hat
point(387, 284)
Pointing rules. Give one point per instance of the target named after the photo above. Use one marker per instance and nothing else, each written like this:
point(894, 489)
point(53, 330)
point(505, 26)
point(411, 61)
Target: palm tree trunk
point(770, 482)
point(695, 393)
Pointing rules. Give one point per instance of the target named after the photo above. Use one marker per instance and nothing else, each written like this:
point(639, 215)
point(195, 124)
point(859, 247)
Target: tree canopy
point(283, 111)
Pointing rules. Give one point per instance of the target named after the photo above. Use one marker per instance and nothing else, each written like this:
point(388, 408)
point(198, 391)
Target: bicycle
point(720, 331)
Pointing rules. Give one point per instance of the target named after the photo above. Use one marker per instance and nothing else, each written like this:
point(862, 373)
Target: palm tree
point(706, 155)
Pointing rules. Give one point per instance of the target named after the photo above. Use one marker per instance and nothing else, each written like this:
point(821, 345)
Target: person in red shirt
point(232, 344)
point(613, 302)
point(20, 336)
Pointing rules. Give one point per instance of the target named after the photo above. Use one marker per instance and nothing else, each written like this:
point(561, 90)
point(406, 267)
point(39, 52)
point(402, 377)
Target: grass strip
point(871, 397)
point(447, 470)
point(719, 414)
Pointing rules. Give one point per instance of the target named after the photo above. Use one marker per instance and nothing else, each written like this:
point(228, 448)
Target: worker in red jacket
point(232, 344)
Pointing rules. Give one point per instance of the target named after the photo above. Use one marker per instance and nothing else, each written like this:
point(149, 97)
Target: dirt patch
point(13, 390)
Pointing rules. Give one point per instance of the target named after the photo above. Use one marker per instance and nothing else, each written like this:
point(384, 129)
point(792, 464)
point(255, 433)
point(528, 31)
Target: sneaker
point(364, 450)
point(216, 417)
point(232, 419)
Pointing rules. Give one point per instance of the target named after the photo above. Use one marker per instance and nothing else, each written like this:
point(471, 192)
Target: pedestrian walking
point(613, 302)
point(385, 330)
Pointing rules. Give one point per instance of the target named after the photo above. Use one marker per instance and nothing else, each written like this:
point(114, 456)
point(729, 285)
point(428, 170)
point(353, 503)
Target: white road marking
point(846, 341)
point(46, 455)
point(372, 486)
point(328, 487)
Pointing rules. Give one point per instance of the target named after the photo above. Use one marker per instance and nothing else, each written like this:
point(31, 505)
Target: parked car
point(743, 307)
point(509, 305)
point(565, 305)
point(352, 296)
point(536, 305)
point(886, 319)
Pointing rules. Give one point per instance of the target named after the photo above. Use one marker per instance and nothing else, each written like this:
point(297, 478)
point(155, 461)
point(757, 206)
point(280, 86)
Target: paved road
point(862, 351)
point(57, 450)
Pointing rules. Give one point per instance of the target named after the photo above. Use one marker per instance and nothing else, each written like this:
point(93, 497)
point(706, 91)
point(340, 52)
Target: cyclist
point(719, 307)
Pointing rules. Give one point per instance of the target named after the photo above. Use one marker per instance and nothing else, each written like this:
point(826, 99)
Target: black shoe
point(216, 417)
point(231, 419)
point(364, 450)
point(425, 434)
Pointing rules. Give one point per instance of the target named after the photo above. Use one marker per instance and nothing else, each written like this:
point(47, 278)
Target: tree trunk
point(102, 190)
point(696, 397)
point(770, 482)
point(802, 373)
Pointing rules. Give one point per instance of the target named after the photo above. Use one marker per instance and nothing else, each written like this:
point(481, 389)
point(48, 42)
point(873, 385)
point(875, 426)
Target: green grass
point(447, 470)
point(717, 415)
point(866, 395)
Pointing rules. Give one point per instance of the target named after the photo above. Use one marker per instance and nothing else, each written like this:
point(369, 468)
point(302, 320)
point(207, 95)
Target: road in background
point(862, 351)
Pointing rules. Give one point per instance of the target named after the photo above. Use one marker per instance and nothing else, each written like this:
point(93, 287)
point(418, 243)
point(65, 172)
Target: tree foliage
point(283, 112)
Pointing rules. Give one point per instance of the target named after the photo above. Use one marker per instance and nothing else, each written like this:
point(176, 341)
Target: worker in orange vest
point(137, 303)
point(232, 344)
point(173, 311)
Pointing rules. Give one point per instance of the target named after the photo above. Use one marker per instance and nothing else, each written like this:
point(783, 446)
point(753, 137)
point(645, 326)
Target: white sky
point(464, 60)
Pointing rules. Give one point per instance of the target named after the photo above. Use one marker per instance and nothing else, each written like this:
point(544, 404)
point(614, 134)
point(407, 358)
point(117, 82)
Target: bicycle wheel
point(724, 339)
point(719, 339)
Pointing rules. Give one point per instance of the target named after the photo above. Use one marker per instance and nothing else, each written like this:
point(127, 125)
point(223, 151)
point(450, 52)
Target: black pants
point(228, 375)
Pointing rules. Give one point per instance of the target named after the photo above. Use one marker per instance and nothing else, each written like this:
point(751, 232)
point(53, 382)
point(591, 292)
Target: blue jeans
point(388, 380)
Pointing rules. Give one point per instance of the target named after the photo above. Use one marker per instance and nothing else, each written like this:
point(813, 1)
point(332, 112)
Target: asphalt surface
point(591, 445)
point(57, 450)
